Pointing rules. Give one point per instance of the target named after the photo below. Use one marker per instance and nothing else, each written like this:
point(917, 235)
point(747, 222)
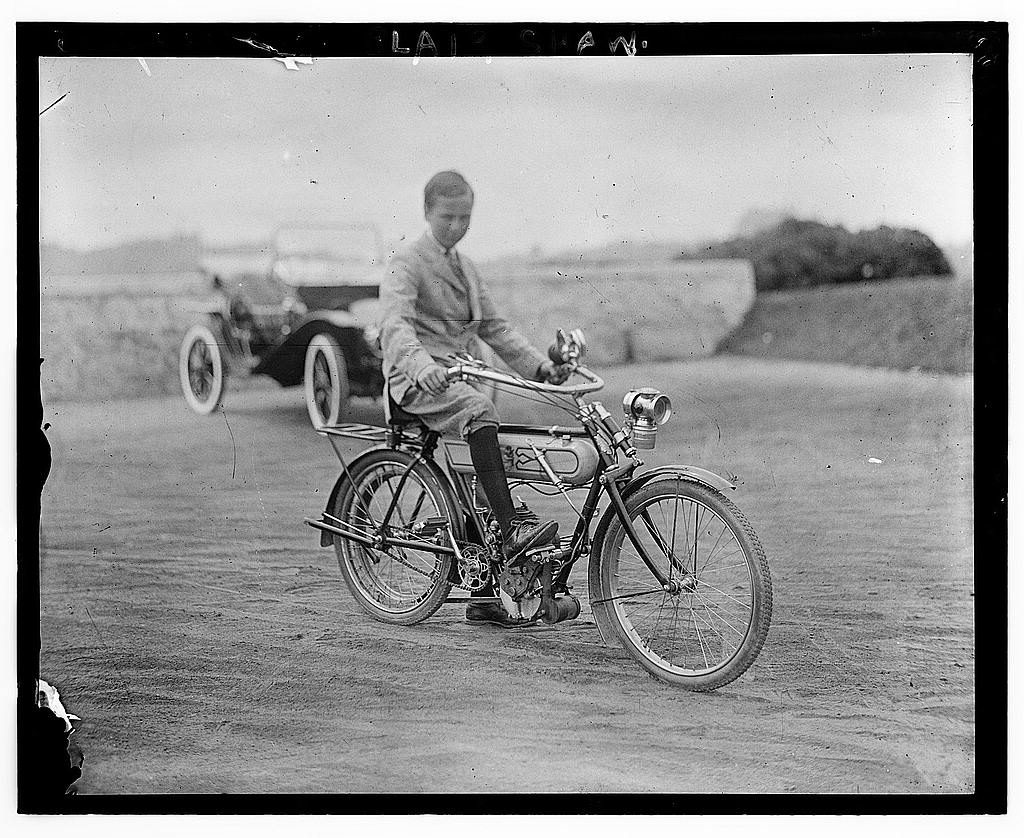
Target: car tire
point(201, 369)
point(325, 380)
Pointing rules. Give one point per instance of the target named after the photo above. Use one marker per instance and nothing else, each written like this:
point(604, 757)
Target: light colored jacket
point(428, 313)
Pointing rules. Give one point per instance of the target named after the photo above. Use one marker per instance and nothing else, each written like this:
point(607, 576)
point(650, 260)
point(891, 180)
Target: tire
point(325, 379)
point(201, 369)
point(401, 586)
point(713, 627)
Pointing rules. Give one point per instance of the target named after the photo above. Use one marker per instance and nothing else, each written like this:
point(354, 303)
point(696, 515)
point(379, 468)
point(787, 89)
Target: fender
point(701, 475)
point(342, 319)
point(695, 473)
point(285, 362)
point(221, 328)
point(691, 473)
point(327, 539)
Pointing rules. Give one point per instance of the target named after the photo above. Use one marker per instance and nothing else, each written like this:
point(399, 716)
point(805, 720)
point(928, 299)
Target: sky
point(561, 152)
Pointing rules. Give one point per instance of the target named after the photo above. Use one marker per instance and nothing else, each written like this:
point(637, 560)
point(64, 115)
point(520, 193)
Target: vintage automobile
point(309, 319)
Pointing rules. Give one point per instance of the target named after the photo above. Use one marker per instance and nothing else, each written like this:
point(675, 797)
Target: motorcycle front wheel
point(400, 585)
point(710, 626)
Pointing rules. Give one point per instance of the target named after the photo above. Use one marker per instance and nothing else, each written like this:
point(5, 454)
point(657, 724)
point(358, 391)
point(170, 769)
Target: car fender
point(286, 362)
point(340, 318)
point(216, 322)
point(683, 472)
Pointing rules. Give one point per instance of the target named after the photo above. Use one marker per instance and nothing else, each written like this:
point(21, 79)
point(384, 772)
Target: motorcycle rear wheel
point(401, 585)
point(709, 629)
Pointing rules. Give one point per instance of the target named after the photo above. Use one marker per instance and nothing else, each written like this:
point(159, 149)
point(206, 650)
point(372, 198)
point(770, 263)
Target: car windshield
point(244, 274)
point(328, 256)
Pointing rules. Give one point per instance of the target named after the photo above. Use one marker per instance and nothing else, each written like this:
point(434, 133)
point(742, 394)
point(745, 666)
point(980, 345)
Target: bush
point(801, 254)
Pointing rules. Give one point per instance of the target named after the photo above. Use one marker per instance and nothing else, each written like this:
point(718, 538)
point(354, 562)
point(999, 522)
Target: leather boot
point(527, 532)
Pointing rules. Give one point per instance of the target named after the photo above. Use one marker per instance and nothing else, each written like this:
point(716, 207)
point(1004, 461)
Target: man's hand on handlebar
point(554, 373)
point(433, 379)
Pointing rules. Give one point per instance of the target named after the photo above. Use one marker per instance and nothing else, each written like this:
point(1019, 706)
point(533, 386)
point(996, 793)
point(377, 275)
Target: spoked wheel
point(326, 381)
point(201, 369)
point(710, 626)
point(401, 585)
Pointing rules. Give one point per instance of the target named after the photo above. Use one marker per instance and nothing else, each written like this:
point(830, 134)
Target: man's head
point(448, 205)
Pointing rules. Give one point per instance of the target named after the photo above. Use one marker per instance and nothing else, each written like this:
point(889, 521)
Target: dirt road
point(209, 644)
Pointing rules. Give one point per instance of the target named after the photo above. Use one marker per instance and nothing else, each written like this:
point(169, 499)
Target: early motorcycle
point(676, 573)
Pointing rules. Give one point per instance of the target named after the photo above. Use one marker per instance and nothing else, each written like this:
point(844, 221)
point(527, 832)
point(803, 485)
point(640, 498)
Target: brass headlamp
point(645, 409)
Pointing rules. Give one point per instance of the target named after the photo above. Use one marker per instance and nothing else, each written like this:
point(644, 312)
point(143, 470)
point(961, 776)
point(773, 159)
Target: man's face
point(449, 218)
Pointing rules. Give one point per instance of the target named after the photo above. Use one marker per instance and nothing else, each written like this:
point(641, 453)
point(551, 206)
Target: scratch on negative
point(261, 46)
point(44, 110)
point(588, 282)
point(233, 455)
point(91, 620)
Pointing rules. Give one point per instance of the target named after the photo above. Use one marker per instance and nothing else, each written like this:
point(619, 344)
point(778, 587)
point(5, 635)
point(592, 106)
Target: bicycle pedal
point(431, 526)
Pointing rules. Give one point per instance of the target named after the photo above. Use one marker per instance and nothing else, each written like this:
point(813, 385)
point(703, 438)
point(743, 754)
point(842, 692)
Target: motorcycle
point(676, 574)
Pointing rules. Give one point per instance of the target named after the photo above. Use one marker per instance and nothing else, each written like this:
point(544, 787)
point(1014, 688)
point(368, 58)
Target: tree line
point(798, 253)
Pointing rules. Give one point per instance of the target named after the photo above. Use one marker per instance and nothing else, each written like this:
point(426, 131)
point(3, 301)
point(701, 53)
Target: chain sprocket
point(472, 567)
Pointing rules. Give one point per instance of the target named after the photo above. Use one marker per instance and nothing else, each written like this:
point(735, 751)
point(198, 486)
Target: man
point(434, 304)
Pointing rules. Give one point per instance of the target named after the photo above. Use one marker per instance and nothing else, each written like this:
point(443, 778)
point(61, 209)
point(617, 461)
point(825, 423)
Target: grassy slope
point(902, 324)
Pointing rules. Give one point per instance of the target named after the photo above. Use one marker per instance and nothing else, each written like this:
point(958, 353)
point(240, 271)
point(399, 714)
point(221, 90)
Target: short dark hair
point(445, 185)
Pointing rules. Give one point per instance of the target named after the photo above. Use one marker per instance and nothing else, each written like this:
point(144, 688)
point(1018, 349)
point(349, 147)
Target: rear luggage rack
point(353, 430)
point(394, 436)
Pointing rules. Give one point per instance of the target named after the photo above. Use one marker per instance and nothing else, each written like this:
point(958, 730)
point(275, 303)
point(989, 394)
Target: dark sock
point(490, 470)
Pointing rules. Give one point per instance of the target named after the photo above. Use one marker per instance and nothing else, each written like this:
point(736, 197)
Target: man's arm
point(511, 345)
point(402, 348)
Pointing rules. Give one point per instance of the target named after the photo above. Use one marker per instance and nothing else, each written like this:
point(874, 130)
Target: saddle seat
point(398, 417)
point(394, 415)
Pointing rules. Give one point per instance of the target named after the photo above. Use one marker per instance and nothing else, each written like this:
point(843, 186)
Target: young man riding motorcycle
point(434, 304)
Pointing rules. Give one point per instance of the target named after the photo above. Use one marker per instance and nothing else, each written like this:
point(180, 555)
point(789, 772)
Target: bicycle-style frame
point(611, 478)
point(726, 620)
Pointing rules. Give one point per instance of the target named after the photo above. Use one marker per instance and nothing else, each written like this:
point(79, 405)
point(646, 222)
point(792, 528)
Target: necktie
point(453, 263)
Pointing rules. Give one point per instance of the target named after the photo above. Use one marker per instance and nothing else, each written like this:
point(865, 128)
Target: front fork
point(601, 608)
point(620, 507)
point(597, 416)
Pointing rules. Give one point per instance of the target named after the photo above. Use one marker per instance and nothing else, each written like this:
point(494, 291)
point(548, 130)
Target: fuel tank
point(572, 457)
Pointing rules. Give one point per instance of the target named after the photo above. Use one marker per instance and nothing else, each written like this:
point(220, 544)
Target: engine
point(527, 590)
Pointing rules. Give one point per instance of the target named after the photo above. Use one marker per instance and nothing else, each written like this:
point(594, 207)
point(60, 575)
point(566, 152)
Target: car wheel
point(326, 381)
point(201, 369)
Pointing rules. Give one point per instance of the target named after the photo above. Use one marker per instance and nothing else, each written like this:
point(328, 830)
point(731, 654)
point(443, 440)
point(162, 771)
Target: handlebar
point(460, 372)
